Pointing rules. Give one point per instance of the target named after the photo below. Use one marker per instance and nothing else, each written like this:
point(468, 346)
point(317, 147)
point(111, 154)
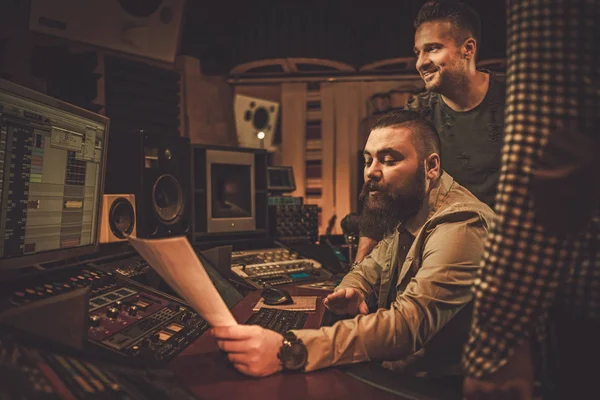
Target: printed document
point(176, 262)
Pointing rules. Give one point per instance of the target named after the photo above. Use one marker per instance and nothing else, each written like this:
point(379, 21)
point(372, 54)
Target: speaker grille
point(121, 218)
point(167, 199)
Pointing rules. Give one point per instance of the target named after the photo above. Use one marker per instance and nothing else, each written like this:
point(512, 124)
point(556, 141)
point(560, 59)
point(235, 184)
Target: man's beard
point(380, 214)
point(447, 81)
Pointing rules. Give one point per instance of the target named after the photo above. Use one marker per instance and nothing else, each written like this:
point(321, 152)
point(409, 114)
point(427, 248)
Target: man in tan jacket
point(421, 272)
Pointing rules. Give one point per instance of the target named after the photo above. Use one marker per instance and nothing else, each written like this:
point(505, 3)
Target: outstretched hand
point(252, 349)
point(346, 301)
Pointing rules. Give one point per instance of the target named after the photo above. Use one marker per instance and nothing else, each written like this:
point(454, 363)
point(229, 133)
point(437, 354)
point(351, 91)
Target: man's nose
point(422, 62)
point(373, 171)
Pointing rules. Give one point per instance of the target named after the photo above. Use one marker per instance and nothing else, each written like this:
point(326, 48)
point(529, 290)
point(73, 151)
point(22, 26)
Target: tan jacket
point(435, 257)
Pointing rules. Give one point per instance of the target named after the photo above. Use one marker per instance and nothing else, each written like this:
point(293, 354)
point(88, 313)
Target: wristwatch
point(293, 353)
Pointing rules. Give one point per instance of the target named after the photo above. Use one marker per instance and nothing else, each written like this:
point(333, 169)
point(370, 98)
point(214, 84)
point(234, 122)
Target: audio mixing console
point(275, 266)
point(126, 319)
point(34, 373)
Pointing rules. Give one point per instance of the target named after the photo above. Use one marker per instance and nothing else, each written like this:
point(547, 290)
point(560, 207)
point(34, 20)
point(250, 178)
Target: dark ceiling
point(225, 34)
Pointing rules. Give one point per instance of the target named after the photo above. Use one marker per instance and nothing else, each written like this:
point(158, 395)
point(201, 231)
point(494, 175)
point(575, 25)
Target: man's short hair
point(460, 15)
point(425, 137)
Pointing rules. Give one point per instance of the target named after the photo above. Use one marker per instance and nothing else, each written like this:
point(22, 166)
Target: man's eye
point(389, 161)
point(368, 163)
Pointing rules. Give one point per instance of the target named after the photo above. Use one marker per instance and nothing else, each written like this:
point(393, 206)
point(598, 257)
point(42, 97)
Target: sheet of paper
point(176, 262)
point(301, 303)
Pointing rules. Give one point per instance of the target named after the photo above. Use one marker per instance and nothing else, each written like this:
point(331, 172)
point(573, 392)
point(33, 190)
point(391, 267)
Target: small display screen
point(99, 302)
point(231, 191)
point(142, 305)
point(164, 336)
point(299, 275)
point(281, 178)
point(111, 296)
point(175, 327)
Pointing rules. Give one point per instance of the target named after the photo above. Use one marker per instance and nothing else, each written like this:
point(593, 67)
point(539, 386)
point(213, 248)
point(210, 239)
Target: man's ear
point(469, 48)
point(433, 168)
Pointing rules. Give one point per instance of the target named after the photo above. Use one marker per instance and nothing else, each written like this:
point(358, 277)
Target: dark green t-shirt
point(471, 140)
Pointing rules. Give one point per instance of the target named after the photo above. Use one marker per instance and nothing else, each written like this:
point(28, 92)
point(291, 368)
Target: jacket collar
point(431, 202)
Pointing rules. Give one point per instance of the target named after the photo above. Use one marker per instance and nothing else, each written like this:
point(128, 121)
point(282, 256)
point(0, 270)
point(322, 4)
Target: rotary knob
point(112, 312)
point(133, 311)
point(94, 321)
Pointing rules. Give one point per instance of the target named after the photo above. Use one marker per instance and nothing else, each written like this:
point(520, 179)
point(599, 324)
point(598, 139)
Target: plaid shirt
point(553, 93)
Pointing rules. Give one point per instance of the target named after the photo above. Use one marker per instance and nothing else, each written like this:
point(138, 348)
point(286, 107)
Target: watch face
point(295, 356)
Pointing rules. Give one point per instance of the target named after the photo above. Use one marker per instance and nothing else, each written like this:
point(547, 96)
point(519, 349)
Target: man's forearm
point(365, 246)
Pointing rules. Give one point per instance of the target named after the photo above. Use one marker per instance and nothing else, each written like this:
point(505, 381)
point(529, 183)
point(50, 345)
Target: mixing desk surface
point(126, 320)
point(43, 287)
point(148, 326)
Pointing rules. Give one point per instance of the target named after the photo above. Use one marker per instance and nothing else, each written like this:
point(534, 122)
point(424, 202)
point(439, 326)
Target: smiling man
point(466, 105)
point(433, 233)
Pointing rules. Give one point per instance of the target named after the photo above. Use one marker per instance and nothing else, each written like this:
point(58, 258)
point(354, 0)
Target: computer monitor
point(52, 157)
point(280, 179)
point(230, 191)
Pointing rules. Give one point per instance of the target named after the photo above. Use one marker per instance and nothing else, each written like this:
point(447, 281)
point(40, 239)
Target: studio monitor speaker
point(255, 121)
point(118, 218)
point(147, 28)
point(156, 169)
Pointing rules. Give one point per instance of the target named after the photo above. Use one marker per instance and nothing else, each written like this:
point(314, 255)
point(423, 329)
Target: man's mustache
point(371, 186)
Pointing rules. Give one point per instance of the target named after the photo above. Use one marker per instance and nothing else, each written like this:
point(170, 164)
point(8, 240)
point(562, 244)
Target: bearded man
point(464, 103)
point(432, 234)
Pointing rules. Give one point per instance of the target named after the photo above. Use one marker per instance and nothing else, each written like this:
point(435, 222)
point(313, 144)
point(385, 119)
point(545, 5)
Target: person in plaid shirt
point(539, 286)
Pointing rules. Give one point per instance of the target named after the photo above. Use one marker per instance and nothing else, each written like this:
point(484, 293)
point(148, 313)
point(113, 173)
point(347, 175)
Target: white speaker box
point(147, 28)
point(118, 218)
point(255, 118)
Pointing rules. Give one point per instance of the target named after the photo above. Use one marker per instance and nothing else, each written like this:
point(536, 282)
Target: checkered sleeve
point(552, 81)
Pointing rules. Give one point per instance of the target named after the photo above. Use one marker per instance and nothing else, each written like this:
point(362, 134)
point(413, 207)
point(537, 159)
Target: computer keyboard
point(278, 320)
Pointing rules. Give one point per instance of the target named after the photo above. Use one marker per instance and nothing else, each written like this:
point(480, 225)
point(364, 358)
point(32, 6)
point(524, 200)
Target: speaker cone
point(121, 218)
point(167, 199)
point(261, 118)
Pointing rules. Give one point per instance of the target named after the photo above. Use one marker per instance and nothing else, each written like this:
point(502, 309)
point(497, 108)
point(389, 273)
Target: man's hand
point(346, 301)
point(512, 381)
point(252, 349)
